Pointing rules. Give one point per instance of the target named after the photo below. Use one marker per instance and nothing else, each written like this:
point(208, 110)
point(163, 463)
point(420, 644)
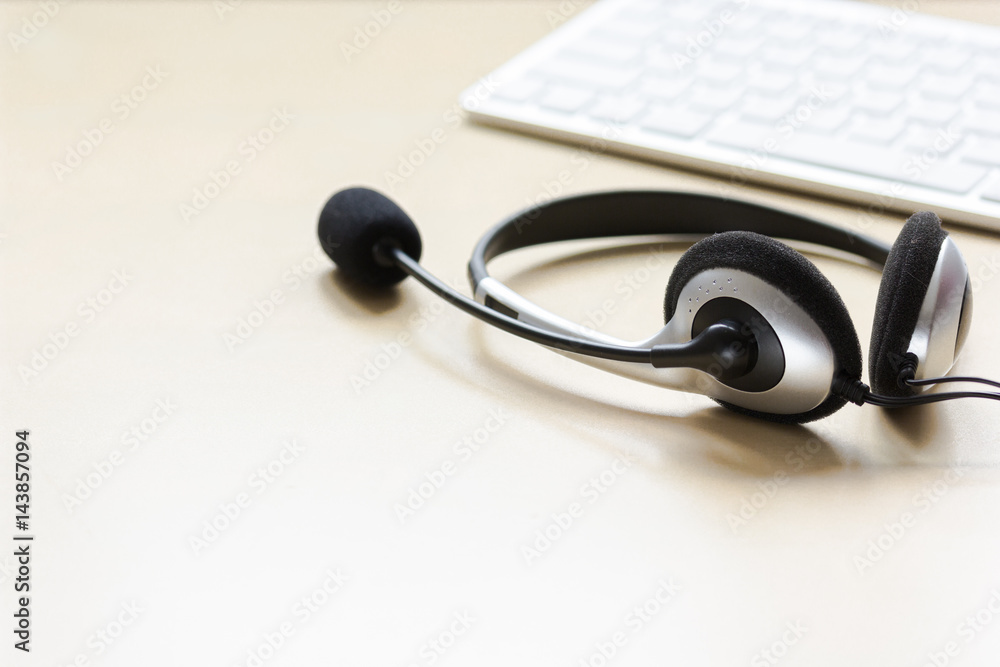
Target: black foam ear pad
point(790, 272)
point(905, 279)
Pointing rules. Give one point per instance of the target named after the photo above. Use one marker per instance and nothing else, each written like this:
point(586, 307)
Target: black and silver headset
point(750, 322)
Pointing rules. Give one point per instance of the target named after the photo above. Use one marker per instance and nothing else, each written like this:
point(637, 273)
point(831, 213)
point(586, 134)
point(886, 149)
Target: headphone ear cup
point(797, 278)
point(905, 279)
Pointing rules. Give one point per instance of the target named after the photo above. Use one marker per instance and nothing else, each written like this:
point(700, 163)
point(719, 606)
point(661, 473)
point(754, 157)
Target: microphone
point(374, 242)
point(357, 221)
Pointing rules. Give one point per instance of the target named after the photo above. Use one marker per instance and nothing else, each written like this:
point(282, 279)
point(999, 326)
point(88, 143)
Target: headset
point(749, 321)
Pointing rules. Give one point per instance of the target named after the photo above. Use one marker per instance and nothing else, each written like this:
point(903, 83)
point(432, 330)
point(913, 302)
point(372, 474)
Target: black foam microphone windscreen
point(357, 220)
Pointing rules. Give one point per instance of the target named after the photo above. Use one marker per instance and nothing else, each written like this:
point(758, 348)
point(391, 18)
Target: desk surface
point(239, 459)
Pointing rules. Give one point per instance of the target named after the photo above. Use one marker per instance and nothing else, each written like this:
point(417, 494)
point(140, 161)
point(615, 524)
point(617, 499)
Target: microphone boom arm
point(702, 353)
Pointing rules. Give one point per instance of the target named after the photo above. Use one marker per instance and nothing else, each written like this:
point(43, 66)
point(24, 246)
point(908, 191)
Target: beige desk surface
point(855, 531)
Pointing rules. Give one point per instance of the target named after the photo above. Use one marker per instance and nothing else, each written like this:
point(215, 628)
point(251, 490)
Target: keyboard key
point(826, 120)
point(880, 162)
point(987, 95)
point(676, 121)
point(982, 122)
point(566, 98)
point(825, 90)
point(746, 26)
point(880, 102)
point(642, 12)
point(608, 77)
point(519, 90)
point(718, 72)
point(766, 108)
point(687, 13)
point(714, 99)
point(945, 59)
point(955, 178)
point(855, 157)
point(986, 66)
point(992, 192)
point(894, 50)
point(743, 135)
point(878, 130)
point(891, 77)
point(982, 150)
point(618, 109)
point(847, 39)
point(668, 63)
point(840, 67)
point(630, 30)
point(791, 30)
point(920, 138)
point(944, 87)
point(736, 46)
point(604, 50)
point(771, 81)
point(933, 112)
point(789, 58)
point(664, 89)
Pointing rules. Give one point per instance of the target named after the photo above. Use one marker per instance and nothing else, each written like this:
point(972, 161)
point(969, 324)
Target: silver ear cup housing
point(945, 315)
point(792, 346)
point(795, 360)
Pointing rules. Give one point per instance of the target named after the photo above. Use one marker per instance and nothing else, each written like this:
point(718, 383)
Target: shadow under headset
point(750, 322)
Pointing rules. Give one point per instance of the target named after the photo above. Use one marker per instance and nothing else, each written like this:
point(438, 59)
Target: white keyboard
point(878, 105)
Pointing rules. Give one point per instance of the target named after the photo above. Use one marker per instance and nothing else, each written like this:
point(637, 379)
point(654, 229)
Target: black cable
point(722, 349)
point(899, 402)
point(859, 393)
point(920, 383)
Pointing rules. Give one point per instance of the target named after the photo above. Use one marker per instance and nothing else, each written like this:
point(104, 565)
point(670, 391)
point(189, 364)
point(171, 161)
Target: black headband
point(648, 213)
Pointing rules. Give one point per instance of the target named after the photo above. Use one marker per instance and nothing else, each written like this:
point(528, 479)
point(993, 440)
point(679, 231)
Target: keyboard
point(881, 106)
